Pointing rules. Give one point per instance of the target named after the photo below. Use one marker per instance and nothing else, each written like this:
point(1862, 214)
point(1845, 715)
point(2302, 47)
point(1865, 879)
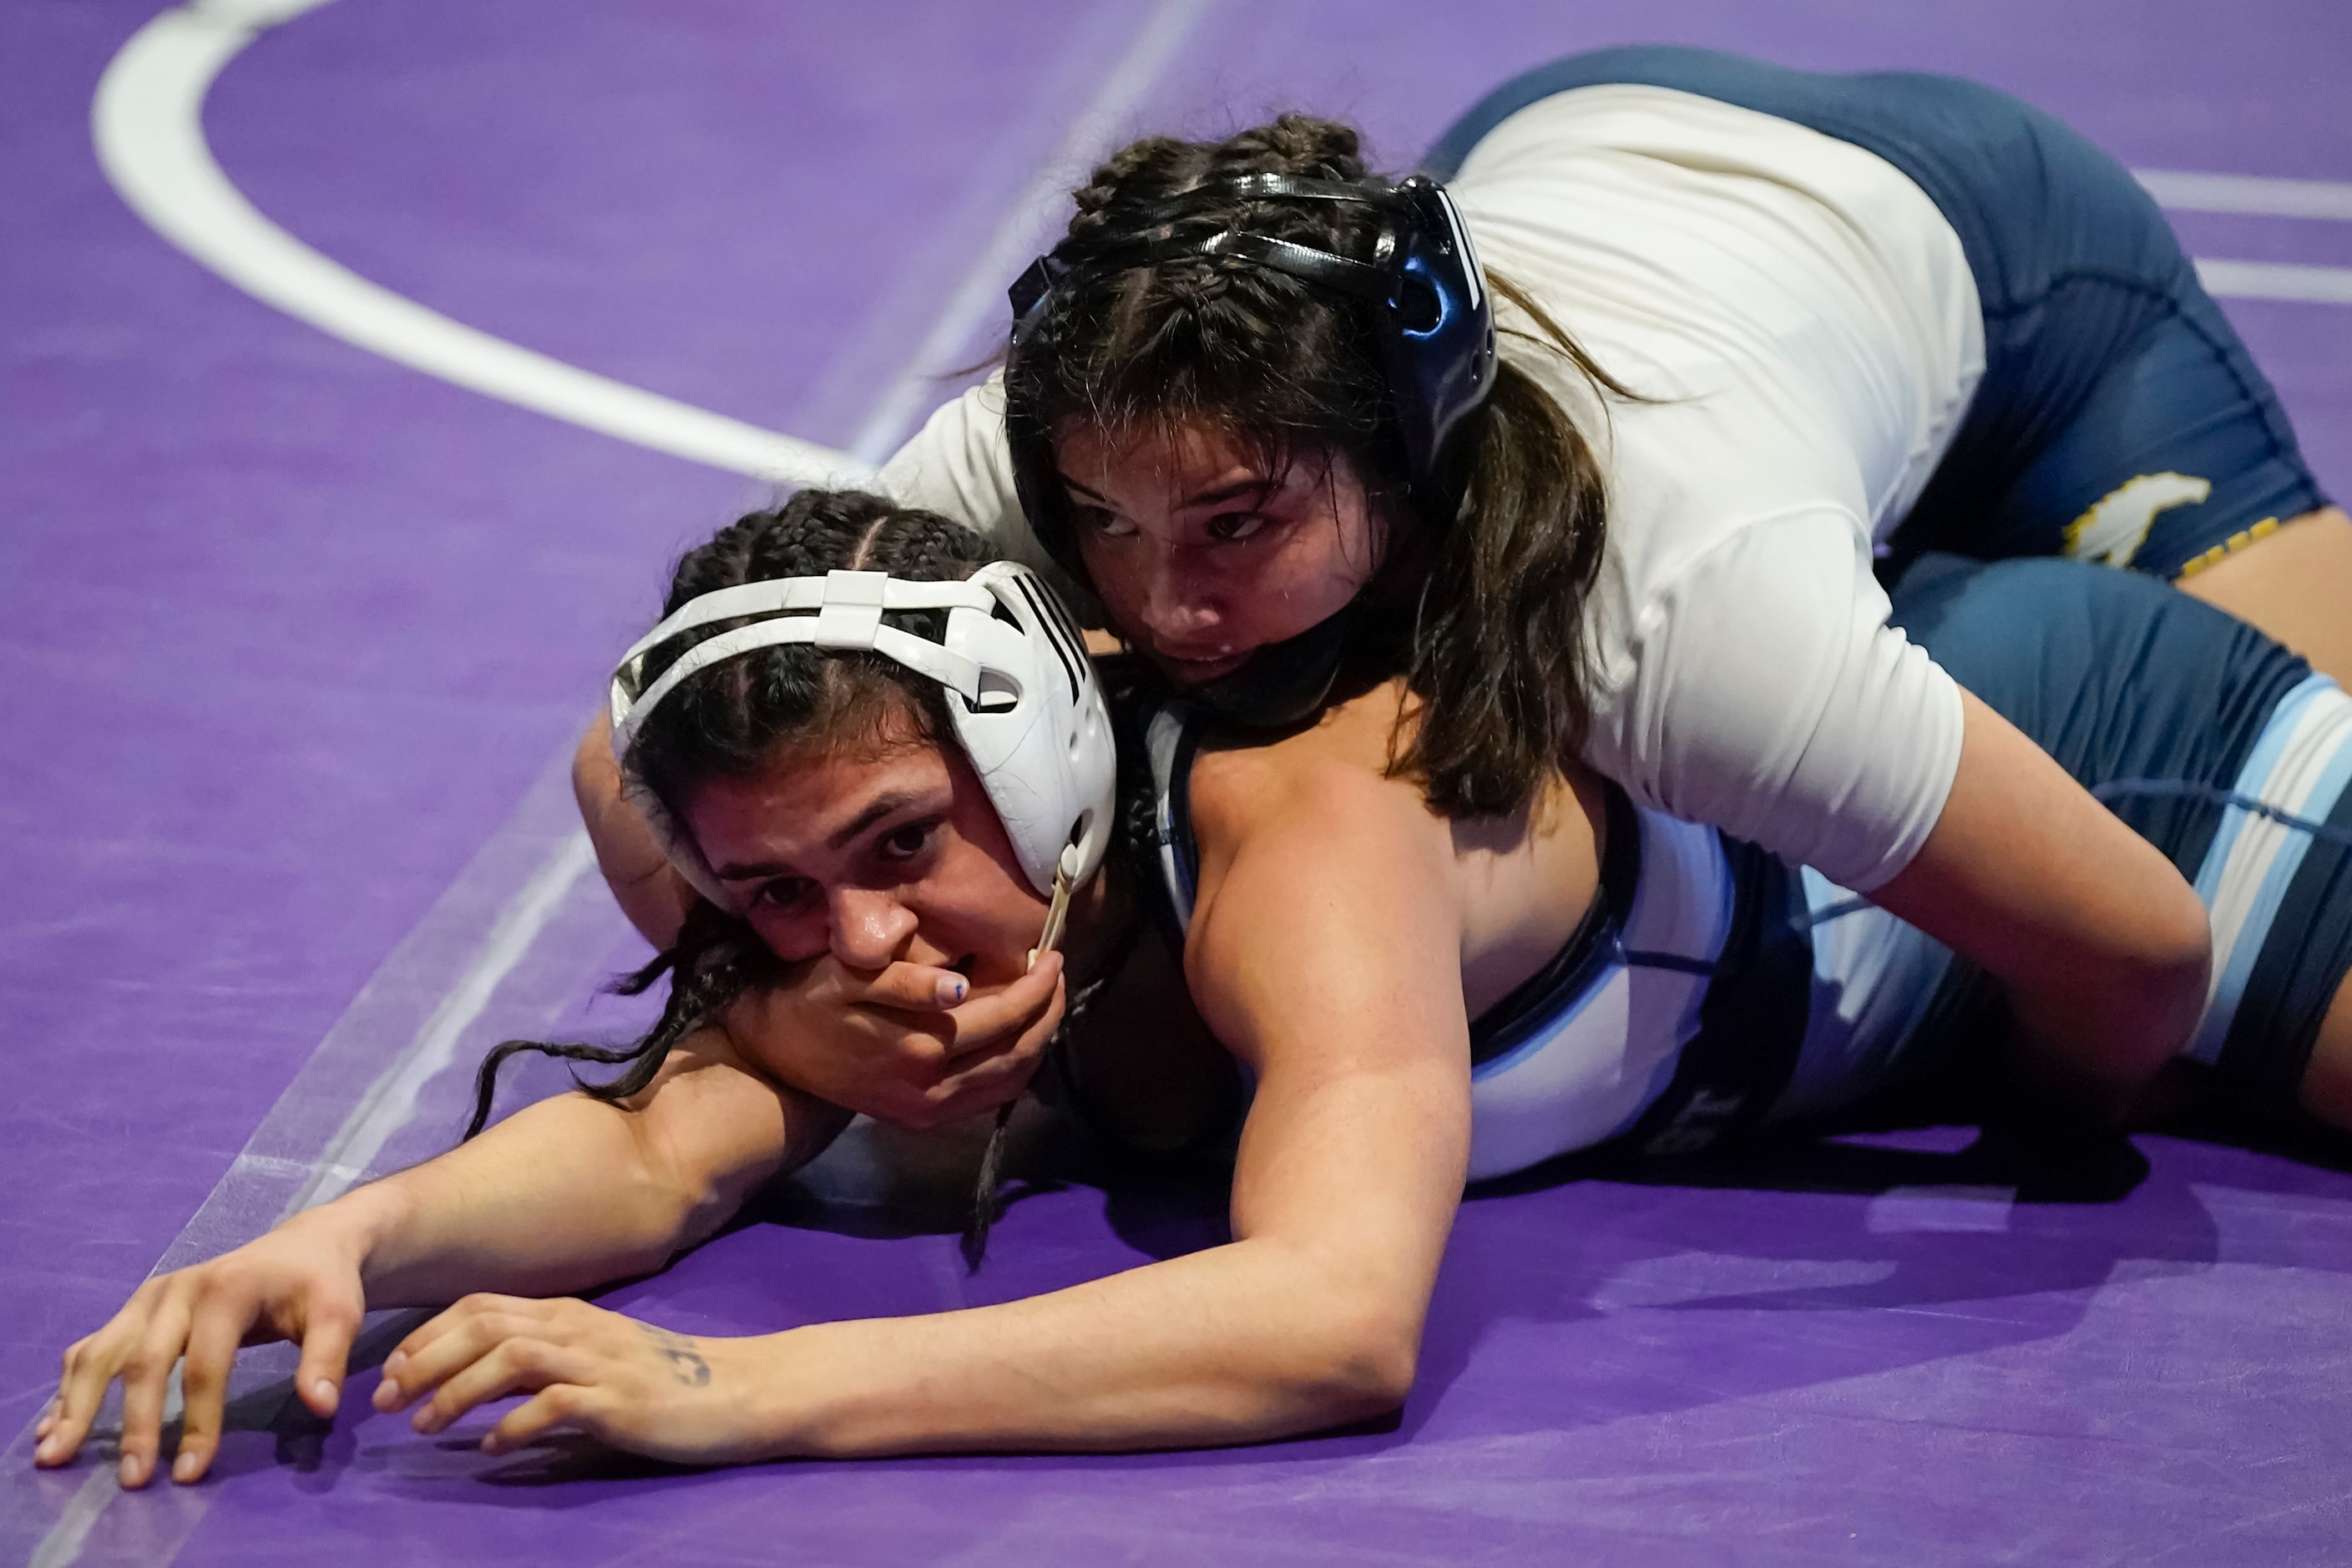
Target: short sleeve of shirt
point(1765, 694)
point(960, 465)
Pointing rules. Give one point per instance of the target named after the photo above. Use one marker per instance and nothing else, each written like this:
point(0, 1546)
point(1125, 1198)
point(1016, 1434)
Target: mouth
point(1198, 671)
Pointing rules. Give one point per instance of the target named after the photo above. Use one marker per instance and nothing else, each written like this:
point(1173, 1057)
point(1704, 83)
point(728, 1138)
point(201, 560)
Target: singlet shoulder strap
point(1158, 737)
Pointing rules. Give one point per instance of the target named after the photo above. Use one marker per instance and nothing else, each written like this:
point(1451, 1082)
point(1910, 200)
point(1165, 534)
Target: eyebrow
point(885, 805)
point(1259, 485)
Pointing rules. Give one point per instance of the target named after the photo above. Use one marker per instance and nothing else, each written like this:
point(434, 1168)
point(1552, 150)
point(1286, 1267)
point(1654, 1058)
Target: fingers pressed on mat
point(516, 1366)
point(146, 1378)
point(469, 1335)
point(561, 1405)
point(326, 1357)
point(203, 1386)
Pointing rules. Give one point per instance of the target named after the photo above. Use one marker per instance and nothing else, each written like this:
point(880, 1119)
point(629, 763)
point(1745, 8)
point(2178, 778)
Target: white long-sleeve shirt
point(1805, 321)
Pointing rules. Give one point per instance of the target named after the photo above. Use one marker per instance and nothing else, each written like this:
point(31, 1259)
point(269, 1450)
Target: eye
point(1101, 524)
point(905, 843)
point(1235, 527)
point(785, 892)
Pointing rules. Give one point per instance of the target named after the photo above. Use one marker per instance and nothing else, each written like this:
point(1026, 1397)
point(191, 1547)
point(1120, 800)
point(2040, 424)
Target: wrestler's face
point(1203, 551)
point(885, 852)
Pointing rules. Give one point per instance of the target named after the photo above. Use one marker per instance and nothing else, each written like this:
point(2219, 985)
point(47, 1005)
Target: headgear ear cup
point(1436, 321)
point(1047, 759)
point(1026, 708)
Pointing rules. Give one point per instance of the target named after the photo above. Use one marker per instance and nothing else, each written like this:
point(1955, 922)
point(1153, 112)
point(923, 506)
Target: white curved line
point(147, 123)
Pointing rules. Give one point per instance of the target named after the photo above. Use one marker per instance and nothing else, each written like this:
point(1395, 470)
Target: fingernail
point(44, 1451)
point(130, 1472)
point(393, 1362)
point(387, 1395)
point(952, 990)
point(325, 1389)
point(184, 1468)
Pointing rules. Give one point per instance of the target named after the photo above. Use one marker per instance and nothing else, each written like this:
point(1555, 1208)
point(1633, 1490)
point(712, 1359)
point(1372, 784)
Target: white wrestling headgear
point(1024, 699)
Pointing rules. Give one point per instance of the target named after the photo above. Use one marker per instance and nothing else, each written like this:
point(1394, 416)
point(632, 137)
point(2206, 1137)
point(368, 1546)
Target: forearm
point(1239, 1343)
point(557, 1198)
point(643, 883)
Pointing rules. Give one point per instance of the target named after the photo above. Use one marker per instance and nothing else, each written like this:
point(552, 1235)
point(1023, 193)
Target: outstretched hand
point(300, 1282)
point(909, 1044)
point(625, 1383)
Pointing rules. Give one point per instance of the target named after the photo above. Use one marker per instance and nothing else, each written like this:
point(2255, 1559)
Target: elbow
point(2169, 965)
point(1367, 1368)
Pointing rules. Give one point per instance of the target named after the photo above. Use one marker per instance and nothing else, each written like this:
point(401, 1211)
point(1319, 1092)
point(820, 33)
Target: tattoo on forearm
point(685, 1363)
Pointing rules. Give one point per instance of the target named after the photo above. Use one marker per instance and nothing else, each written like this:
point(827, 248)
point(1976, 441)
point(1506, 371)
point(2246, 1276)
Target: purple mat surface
point(290, 631)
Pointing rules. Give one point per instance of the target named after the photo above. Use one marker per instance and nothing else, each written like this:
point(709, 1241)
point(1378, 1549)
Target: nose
point(1177, 606)
point(869, 926)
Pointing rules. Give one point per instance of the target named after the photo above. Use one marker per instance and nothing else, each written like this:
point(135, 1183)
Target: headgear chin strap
point(1436, 322)
point(1023, 696)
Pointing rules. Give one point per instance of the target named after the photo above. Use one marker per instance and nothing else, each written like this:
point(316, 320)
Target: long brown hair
point(1481, 588)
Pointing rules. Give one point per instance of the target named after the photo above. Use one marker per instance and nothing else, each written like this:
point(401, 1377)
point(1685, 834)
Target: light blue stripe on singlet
point(2259, 765)
point(2246, 944)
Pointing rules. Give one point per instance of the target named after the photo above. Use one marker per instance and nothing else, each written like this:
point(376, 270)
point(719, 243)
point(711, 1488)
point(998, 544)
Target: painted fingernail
point(184, 1468)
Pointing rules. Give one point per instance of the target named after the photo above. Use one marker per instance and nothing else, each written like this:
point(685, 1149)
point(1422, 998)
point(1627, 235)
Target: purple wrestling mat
point(295, 637)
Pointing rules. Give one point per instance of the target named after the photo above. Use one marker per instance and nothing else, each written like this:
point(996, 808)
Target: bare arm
point(2099, 943)
point(571, 1193)
point(1347, 1000)
point(567, 1193)
point(648, 889)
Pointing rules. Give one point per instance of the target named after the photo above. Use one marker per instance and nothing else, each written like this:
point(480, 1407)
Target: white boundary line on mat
point(147, 122)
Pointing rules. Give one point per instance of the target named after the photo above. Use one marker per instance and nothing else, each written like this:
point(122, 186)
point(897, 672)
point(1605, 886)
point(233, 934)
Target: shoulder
point(960, 465)
point(1761, 690)
point(1292, 832)
point(1329, 783)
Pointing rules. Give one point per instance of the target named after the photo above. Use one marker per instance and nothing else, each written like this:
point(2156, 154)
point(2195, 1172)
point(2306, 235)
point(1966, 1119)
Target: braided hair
point(1479, 595)
point(733, 719)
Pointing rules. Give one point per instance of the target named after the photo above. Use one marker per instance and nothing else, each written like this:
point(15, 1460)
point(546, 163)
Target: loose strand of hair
point(714, 961)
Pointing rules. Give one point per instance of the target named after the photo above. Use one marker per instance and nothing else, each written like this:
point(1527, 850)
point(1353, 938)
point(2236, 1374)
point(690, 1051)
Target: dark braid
point(1479, 596)
point(735, 717)
point(714, 961)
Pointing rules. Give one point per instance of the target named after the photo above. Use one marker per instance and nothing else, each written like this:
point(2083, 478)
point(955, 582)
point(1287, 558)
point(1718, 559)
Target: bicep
point(2030, 875)
point(1329, 959)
